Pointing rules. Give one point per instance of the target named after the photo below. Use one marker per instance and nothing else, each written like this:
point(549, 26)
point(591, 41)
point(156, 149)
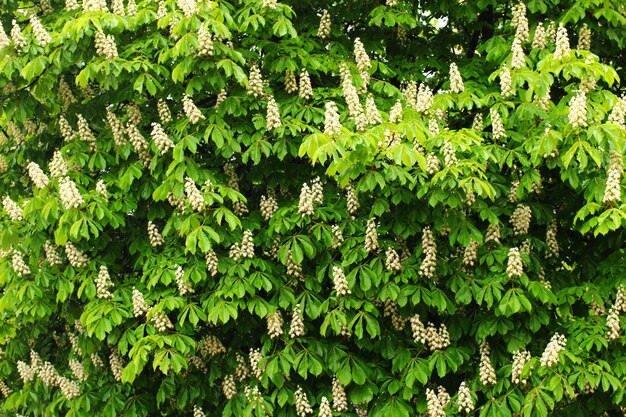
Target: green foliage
point(170, 220)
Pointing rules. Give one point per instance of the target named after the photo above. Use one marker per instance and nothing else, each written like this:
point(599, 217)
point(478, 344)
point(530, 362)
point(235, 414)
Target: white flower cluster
point(255, 82)
point(363, 62)
point(161, 140)
point(17, 37)
point(520, 219)
point(69, 389)
point(305, 90)
point(74, 342)
point(471, 253)
point(272, 117)
point(221, 96)
point(191, 111)
point(433, 126)
point(101, 189)
point(78, 370)
point(140, 307)
point(105, 45)
point(520, 21)
point(584, 38)
point(486, 372)
point(618, 113)
point(42, 36)
point(228, 387)
point(352, 200)
point(210, 347)
point(165, 115)
point(424, 99)
point(325, 410)
point(154, 235)
point(340, 400)
point(551, 242)
point(117, 129)
point(520, 359)
point(161, 322)
point(52, 256)
point(65, 92)
point(392, 260)
point(69, 194)
point(562, 43)
point(211, 262)
point(116, 365)
point(293, 269)
point(196, 200)
point(352, 98)
point(13, 210)
point(577, 116)
point(433, 164)
point(464, 399)
point(429, 249)
point(4, 39)
point(391, 310)
point(332, 125)
point(550, 355)
point(96, 361)
point(85, 133)
point(189, 7)
point(183, 287)
point(92, 6)
point(117, 7)
point(296, 329)
point(613, 318)
point(66, 130)
point(613, 191)
point(456, 81)
point(437, 402)
point(57, 166)
point(302, 403)
point(19, 266)
point(395, 114)
point(4, 389)
point(497, 127)
point(255, 357)
point(519, 58)
point(76, 258)
point(103, 284)
point(268, 206)
point(205, 42)
point(337, 236)
point(506, 83)
point(449, 154)
point(241, 371)
point(15, 133)
point(540, 37)
point(48, 374)
point(340, 282)
point(515, 265)
point(324, 29)
point(274, 324)
point(291, 85)
point(431, 336)
point(309, 196)
point(245, 249)
point(270, 4)
point(372, 115)
point(239, 207)
point(371, 236)
point(26, 372)
point(197, 411)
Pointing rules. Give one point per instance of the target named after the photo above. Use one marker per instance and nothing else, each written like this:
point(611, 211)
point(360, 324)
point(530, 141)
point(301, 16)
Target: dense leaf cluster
point(189, 226)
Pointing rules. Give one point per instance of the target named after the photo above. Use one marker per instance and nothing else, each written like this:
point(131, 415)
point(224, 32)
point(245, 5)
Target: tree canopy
point(261, 208)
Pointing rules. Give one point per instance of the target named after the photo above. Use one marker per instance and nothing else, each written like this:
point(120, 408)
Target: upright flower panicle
point(456, 81)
